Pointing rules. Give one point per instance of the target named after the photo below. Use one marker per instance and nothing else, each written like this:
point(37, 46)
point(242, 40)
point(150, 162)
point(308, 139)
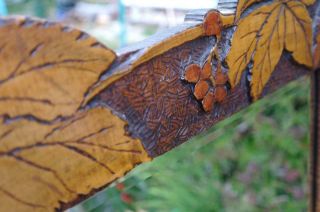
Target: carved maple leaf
point(43, 165)
point(244, 4)
point(47, 68)
point(308, 2)
point(262, 36)
point(52, 152)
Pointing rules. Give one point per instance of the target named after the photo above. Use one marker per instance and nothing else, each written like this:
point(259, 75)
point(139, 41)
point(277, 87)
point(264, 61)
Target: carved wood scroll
point(75, 116)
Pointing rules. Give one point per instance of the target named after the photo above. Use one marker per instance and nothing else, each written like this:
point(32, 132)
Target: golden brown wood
point(44, 166)
point(262, 36)
point(44, 76)
point(51, 152)
point(242, 5)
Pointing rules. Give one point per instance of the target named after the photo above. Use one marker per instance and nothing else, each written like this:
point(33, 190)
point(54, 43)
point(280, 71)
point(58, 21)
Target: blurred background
point(114, 22)
point(254, 161)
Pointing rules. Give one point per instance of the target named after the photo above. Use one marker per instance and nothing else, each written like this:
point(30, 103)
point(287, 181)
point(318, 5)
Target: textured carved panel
point(161, 109)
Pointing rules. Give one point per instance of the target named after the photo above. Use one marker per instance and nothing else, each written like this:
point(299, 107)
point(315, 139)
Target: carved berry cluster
point(208, 89)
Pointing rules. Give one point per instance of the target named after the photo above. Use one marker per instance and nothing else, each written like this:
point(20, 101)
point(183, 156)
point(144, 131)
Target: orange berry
point(212, 23)
point(220, 93)
point(208, 101)
point(221, 78)
point(192, 73)
point(201, 89)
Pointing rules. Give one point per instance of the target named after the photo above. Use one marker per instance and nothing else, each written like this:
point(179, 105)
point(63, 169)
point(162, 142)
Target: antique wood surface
point(315, 142)
point(75, 116)
point(314, 186)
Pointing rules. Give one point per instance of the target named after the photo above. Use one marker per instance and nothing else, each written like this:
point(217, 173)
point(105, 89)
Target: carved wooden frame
point(75, 115)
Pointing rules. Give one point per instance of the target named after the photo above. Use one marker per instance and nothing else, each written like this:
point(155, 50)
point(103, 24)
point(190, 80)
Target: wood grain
point(157, 45)
point(52, 152)
point(46, 166)
point(160, 107)
point(75, 116)
point(46, 77)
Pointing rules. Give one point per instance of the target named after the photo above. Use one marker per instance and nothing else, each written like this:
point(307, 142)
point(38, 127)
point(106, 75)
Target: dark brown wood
point(314, 168)
point(159, 107)
point(315, 143)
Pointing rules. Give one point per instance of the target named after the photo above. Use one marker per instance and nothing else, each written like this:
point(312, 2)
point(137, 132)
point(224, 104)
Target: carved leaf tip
point(308, 2)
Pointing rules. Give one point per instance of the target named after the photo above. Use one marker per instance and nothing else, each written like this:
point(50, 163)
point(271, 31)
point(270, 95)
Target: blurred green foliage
point(39, 8)
point(254, 161)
